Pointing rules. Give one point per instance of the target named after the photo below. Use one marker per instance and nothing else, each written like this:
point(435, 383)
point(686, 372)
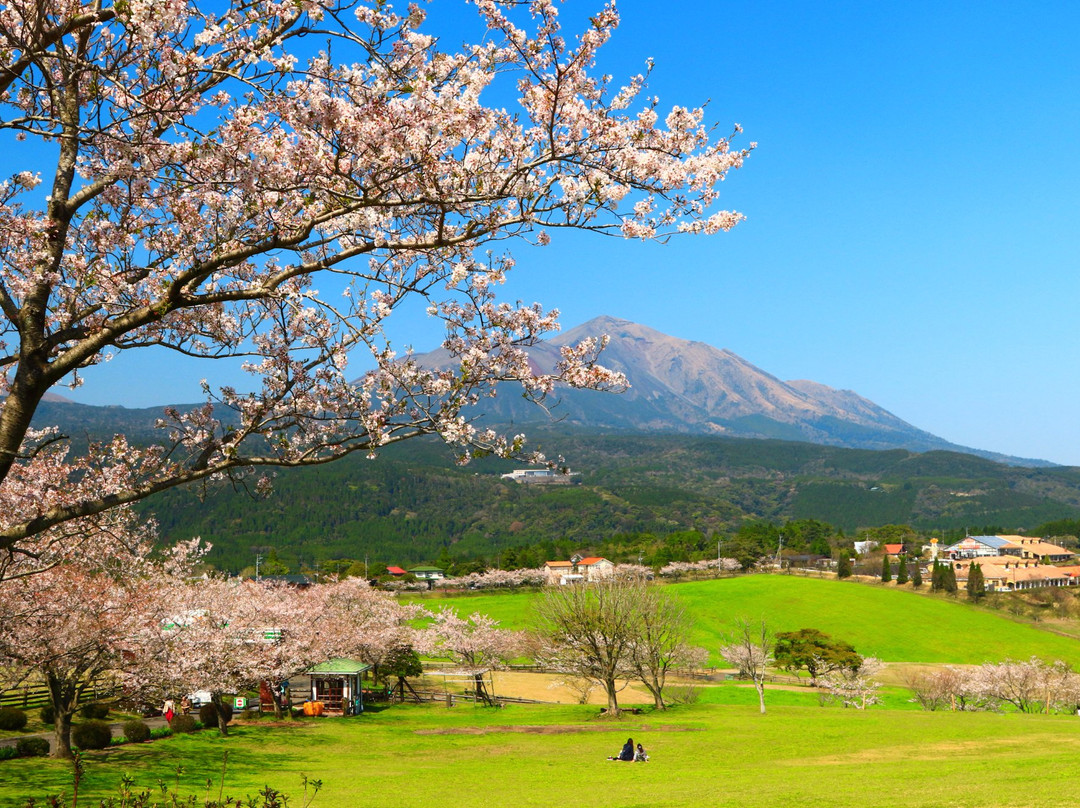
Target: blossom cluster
point(220, 192)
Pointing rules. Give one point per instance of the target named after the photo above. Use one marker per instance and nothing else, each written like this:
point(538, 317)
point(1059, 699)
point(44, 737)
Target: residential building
point(577, 569)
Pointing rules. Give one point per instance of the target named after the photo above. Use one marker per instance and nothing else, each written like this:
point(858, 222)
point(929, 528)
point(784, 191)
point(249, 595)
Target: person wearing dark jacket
point(627, 752)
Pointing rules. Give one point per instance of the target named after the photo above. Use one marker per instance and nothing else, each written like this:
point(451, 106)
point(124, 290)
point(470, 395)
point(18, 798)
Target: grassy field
point(719, 751)
point(705, 754)
point(895, 625)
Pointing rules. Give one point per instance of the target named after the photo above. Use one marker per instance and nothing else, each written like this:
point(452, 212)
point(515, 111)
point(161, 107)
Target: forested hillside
point(413, 505)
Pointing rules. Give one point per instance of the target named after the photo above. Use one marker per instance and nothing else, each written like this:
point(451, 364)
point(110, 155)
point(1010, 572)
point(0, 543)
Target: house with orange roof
point(577, 569)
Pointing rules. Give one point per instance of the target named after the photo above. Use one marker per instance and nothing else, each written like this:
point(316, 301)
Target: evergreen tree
point(901, 571)
point(843, 566)
point(976, 583)
point(916, 576)
point(937, 577)
point(886, 569)
point(949, 579)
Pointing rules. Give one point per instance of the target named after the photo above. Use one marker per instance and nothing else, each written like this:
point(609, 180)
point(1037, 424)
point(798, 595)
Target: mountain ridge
point(687, 386)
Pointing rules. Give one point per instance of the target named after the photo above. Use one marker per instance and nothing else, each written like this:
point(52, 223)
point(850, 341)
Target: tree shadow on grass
point(256, 756)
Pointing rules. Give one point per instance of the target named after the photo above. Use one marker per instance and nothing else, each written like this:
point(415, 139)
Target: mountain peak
point(679, 385)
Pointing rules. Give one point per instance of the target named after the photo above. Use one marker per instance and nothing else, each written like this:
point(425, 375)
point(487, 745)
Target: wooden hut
point(337, 685)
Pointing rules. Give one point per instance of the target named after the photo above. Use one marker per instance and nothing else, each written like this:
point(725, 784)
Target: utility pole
point(258, 560)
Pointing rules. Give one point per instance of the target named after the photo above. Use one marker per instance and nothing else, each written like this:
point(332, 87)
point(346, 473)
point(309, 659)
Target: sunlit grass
point(798, 754)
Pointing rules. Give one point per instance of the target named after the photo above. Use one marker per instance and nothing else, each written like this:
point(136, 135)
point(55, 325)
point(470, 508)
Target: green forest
point(648, 498)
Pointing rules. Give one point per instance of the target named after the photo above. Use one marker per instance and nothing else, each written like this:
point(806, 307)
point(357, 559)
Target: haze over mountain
point(690, 387)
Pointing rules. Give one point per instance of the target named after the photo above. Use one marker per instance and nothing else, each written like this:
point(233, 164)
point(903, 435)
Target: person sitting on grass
point(627, 752)
point(639, 755)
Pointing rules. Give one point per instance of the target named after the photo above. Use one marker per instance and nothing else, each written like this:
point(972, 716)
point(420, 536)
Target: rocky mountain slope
point(690, 387)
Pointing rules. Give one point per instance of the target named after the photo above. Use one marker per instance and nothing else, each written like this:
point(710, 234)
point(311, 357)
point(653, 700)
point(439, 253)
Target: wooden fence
point(29, 696)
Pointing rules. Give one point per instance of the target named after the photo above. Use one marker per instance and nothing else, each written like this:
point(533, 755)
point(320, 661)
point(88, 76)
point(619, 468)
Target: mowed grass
point(895, 625)
point(705, 754)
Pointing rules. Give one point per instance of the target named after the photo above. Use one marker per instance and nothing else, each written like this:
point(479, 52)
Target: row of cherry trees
point(136, 621)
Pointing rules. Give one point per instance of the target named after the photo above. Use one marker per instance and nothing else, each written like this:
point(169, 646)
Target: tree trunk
point(65, 700)
point(612, 697)
point(62, 742)
point(759, 685)
point(657, 691)
point(223, 727)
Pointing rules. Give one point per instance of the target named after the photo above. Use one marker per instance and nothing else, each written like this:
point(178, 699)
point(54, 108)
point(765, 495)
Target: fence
point(25, 697)
point(37, 695)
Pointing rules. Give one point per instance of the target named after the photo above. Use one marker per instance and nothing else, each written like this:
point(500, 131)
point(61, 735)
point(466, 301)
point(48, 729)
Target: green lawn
point(707, 754)
point(895, 625)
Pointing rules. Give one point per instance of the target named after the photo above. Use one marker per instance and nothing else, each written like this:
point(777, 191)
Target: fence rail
point(29, 696)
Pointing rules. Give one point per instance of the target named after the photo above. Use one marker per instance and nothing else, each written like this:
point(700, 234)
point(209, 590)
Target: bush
point(208, 714)
point(136, 731)
point(184, 723)
point(92, 734)
point(160, 732)
point(8, 752)
point(683, 694)
point(96, 712)
point(12, 718)
point(47, 714)
point(32, 747)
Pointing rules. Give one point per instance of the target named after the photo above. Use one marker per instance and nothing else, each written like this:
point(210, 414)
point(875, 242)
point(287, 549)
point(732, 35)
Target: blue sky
point(913, 211)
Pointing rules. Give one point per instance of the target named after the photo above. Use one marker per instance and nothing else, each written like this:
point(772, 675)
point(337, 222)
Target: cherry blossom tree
point(476, 644)
point(80, 625)
point(201, 179)
point(230, 635)
point(368, 625)
point(750, 649)
point(855, 686)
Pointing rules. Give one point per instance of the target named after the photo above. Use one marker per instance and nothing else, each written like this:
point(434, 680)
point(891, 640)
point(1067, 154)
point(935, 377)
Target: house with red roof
point(396, 571)
point(577, 569)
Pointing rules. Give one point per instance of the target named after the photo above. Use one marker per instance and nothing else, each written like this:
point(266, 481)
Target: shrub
point(683, 694)
point(97, 712)
point(32, 747)
point(12, 718)
point(184, 723)
point(47, 714)
point(92, 734)
point(136, 731)
point(160, 732)
point(208, 714)
point(8, 752)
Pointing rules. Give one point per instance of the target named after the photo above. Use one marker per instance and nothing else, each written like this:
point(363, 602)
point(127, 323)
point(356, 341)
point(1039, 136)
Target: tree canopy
point(202, 180)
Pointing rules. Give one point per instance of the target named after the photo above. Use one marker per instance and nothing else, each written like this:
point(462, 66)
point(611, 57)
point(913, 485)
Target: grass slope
point(895, 625)
point(412, 757)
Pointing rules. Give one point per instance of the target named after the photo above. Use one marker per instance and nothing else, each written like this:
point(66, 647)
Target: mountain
point(690, 387)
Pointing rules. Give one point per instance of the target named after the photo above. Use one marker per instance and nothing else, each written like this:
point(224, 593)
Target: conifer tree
point(916, 576)
point(901, 571)
point(843, 567)
point(886, 569)
point(949, 579)
point(937, 577)
point(976, 583)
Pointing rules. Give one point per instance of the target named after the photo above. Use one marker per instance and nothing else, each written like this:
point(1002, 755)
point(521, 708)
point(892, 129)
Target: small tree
point(660, 645)
point(976, 582)
point(855, 687)
point(916, 576)
point(949, 579)
point(814, 650)
point(750, 650)
point(901, 571)
point(886, 569)
point(937, 577)
point(843, 566)
point(477, 644)
point(590, 630)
